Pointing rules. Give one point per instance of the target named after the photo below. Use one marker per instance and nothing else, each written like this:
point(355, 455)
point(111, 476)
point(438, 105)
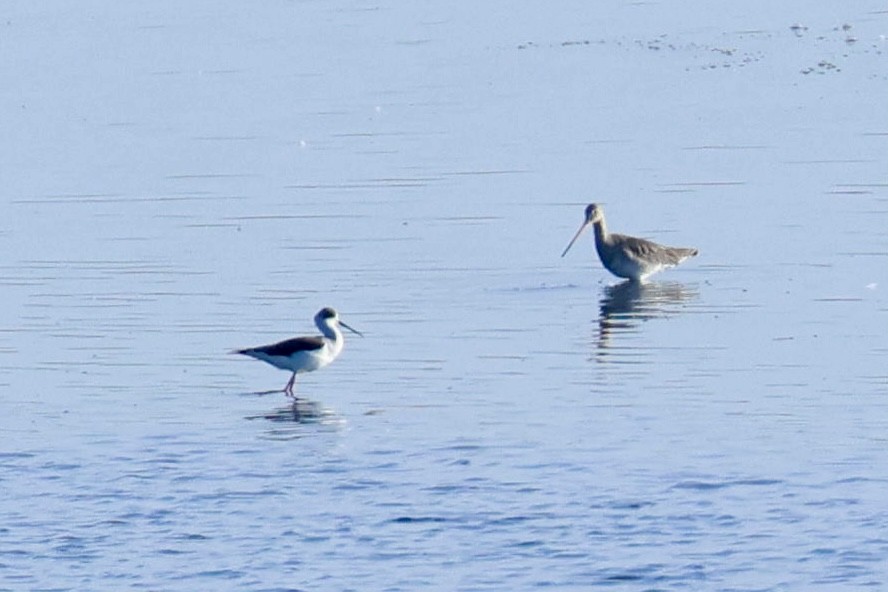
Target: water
point(179, 181)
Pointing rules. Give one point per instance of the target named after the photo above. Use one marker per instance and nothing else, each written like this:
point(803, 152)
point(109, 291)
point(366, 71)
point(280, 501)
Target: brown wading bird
point(628, 256)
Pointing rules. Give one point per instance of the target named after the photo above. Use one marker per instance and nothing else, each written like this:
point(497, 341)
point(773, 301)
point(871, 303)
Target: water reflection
point(296, 419)
point(623, 307)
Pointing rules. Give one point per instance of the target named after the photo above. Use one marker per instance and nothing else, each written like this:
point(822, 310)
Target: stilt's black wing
point(288, 347)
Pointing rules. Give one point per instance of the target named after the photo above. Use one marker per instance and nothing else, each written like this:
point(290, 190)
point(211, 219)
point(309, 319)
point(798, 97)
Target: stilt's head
point(327, 317)
point(594, 213)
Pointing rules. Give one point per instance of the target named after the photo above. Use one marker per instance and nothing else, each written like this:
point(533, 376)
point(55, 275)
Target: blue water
point(182, 180)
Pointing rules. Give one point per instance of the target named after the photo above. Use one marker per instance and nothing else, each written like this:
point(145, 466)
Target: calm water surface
point(179, 181)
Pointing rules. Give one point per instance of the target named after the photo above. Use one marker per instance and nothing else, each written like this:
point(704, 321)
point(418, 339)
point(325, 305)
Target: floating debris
point(822, 68)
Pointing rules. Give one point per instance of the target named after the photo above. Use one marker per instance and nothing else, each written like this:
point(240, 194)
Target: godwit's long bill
point(305, 354)
point(628, 256)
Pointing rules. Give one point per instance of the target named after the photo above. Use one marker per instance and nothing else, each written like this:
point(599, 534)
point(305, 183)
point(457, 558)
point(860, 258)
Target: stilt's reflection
point(291, 421)
point(624, 306)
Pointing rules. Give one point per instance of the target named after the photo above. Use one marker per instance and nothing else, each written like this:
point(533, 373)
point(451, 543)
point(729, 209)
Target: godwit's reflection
point(624, 306)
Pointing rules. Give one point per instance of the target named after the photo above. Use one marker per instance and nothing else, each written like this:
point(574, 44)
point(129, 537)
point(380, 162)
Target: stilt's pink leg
point(289, 388)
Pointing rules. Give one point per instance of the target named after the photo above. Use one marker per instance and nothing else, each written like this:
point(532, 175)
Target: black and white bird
point(305, 354)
